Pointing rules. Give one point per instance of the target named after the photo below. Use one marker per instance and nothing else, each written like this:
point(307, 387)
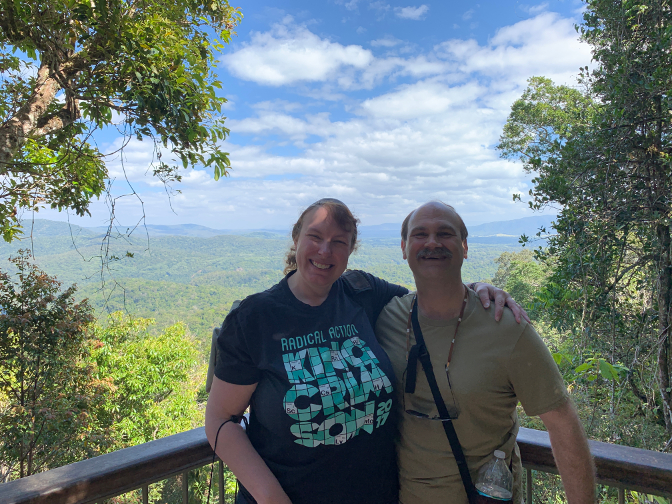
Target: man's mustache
point(438, 253)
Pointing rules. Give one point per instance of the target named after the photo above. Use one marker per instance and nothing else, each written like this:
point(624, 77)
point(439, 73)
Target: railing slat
point(529, 488)
point(221, 482)
point(145, 494)
point(185, 487)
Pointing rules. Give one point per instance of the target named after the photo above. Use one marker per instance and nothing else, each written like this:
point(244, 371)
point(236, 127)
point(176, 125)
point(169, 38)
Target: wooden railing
point(116, 473)
point(618, 466)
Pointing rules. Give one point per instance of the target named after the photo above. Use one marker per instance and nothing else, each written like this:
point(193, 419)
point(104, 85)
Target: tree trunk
point(31, 119)
point(664, 320)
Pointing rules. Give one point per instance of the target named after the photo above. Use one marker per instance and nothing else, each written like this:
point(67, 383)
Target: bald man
point(482, 368)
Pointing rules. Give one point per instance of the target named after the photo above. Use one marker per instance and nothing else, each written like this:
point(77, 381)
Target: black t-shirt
point(320, 416)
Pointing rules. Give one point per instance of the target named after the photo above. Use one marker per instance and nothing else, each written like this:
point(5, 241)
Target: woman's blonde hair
point(338, 211)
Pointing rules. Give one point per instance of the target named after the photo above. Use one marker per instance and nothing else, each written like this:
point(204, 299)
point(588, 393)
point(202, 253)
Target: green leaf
point(583, 367)
point(607, 371)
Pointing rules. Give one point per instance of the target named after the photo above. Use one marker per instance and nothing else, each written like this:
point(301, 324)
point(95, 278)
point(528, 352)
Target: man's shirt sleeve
point(534, 374)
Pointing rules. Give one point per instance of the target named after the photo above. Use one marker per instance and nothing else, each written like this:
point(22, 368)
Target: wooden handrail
point(619, 466)
point(111, 474)
point(115, 473)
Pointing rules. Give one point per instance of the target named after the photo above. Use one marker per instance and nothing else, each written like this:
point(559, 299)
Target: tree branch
point(15, 132)
point(54, 122)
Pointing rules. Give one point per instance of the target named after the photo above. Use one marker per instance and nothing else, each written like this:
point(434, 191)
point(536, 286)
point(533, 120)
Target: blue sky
point(382, 104)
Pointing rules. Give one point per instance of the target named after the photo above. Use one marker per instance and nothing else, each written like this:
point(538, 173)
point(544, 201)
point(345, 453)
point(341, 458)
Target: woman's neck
point(306, 293)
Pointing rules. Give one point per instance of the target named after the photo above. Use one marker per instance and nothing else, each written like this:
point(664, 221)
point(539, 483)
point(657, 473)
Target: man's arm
point(571, 452)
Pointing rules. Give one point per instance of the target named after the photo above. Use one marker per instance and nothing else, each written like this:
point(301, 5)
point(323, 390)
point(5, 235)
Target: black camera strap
point(422, 354)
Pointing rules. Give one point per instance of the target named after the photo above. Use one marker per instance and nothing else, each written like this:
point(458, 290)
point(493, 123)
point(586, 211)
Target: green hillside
point(195, 280)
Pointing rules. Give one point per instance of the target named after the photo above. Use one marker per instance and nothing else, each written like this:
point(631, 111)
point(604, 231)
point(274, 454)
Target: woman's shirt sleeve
point(235, 363)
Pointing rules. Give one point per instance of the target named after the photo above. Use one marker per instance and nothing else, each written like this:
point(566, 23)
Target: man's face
point(434, 248)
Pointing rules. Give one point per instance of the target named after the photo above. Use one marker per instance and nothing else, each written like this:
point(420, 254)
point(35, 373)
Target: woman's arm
point(384, 291)
point(234, 447)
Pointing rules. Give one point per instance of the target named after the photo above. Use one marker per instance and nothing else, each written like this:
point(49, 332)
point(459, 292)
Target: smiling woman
point(304, 357)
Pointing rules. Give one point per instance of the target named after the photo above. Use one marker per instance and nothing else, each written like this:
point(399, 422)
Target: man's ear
point(465, 247)
point(403, 249)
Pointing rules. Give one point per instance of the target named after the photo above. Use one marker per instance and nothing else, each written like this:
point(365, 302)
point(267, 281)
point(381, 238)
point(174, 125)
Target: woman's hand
point(489, 293)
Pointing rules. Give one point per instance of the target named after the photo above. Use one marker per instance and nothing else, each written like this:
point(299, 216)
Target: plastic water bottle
point(494, 478)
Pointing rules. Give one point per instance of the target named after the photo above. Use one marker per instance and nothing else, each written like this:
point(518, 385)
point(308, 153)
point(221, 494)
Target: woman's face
point(322, 249)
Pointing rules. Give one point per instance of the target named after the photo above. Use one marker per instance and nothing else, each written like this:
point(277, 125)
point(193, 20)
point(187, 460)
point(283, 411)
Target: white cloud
point(421, 66)
point(414, 13)
point(131, 159)
point(390, 146)
point(543, 45)
point(468, 14)
point(289, 54)
point(421, 99)
point(379, 6)
point(387, 41)
point(282, 105)
point(534, 9)
point(292, 127)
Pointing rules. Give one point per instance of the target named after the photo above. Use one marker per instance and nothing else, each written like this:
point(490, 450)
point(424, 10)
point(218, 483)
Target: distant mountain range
point(501, 232)
point(44, 227)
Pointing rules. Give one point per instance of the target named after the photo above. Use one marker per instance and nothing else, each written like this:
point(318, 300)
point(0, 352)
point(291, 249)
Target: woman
point(303, 355)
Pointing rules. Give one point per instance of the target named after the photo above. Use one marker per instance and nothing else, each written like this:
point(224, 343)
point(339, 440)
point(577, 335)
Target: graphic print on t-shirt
point(336, 389)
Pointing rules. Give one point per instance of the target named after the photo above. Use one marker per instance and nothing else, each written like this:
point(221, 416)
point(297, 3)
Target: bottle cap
point(500, 454)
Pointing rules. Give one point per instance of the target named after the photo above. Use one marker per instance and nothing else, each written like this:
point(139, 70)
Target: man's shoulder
point(401, 303)
point(391, 324)
point(396, 309)
point(485, 317)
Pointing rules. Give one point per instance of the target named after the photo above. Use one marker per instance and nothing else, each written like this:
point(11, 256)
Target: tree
point(152, 379)
point(71, 67)
point(45, 378)
point(521, 276)
point(156, 390)
point(603, 154)
point(70, 389)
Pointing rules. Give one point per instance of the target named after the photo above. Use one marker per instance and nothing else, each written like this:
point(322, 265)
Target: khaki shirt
point(493, 367)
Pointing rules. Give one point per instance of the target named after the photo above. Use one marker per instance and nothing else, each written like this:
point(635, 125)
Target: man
point(490, 368)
